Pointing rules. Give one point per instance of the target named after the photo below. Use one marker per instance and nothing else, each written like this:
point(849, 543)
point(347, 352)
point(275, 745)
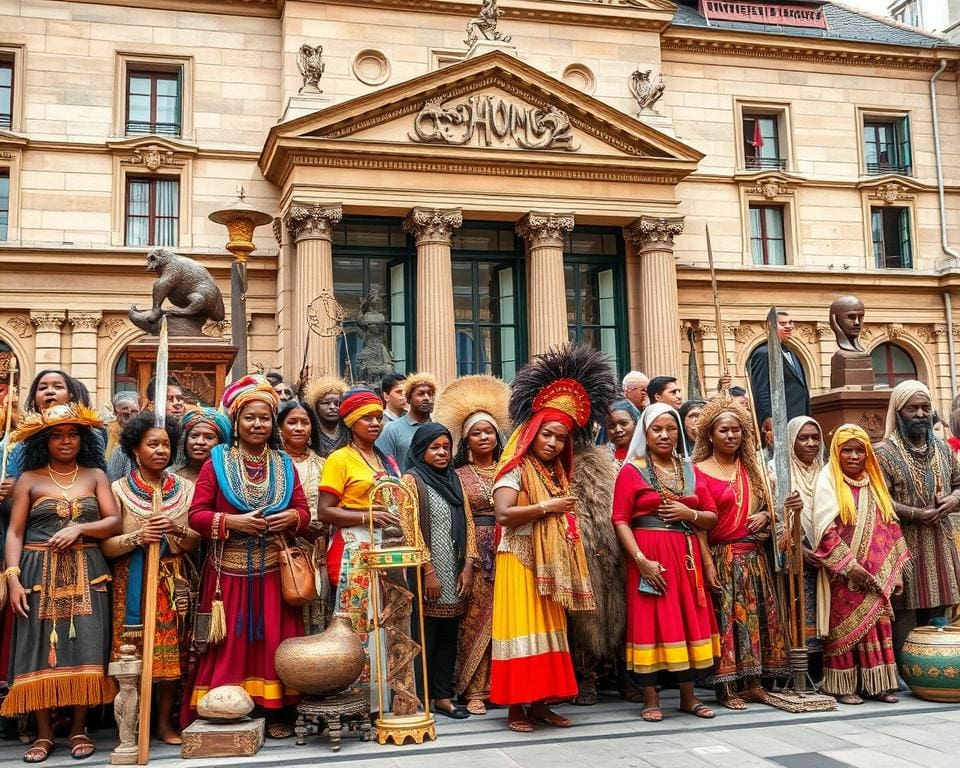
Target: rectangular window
point(153, 102)
point(890, 227)
point(371, 284)
point(6, 93)
point(485, 273)
point(767, 239)
point(886, 145)
point(153, 212)
point(4, 202)
point(594, 276)
point(761, 142)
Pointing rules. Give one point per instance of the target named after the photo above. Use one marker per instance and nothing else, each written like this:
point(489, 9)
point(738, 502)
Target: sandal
point(734, 702)
point(651, 714)
point(849, 698)
point(548, 717)
point(518, 720)
point(279, 730)
point(38, 751)
point(887, 697)
point(476, 707)
point(81, 747)
point(700, 710)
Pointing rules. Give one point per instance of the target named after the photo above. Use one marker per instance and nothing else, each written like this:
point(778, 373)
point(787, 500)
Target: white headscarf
point(803, 477)
point(638, 445)
point(898, 398)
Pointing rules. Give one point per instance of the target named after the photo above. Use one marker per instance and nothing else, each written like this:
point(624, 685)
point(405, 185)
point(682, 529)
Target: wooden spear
point(721, 342)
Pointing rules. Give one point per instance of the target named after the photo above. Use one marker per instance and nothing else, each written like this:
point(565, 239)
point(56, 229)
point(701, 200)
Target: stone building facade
point(463, 205)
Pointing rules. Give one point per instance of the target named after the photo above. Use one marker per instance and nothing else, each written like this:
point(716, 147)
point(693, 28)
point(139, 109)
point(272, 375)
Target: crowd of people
point(579, 531)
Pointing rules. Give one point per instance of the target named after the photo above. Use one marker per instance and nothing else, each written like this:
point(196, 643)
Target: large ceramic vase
point(930, 663)
point(324, 664)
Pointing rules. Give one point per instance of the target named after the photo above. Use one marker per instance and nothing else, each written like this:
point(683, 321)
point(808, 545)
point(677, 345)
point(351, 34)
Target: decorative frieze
point(654, 233)
point(891, 193)
point(313, 221)
point(540, 229)
point(21, 326)
point(433, 224)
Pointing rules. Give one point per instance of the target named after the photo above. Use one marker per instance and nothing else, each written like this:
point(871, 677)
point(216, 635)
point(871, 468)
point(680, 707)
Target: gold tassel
point(73, 630)
point(52, 655)
point(218, 622)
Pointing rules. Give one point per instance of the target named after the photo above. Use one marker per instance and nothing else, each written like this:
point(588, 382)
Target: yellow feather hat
point(469, 395)
point(323, 385)
point(55, 415)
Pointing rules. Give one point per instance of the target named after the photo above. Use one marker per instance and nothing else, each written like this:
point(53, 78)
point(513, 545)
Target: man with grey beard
point(924, 482)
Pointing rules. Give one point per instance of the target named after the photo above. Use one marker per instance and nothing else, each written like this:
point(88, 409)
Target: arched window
point(891, 365)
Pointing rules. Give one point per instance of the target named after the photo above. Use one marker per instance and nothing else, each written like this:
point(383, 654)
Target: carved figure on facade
point(891, 193)
point(488, 119)
point(374, 360)
point(769, 188)
point(152, 157)
point(646, 90)
point(21, 326)
point(193, 296)
point(311, 66)
point(484, 25)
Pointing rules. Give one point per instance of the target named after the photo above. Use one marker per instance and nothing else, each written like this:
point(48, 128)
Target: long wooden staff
point(8, 419)
point(721, 342)
point(152, 561)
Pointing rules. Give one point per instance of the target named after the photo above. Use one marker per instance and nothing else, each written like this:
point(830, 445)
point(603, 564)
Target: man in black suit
point(794, 379)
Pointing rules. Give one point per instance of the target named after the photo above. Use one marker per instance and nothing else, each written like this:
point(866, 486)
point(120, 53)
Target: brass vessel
point(322, 664)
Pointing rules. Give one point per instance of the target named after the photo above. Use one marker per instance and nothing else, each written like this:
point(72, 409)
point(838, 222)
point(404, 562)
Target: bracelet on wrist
point(696, 515)
point(13, 570)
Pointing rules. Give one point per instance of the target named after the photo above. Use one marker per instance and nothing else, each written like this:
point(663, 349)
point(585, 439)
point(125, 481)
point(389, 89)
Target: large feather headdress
point(320, 387)
point(471, 395)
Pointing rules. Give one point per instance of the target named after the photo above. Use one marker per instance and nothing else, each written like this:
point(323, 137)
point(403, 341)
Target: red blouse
point(634, 497)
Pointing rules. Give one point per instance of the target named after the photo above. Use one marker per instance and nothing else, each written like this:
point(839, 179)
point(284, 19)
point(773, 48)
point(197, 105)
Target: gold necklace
point(374, 464)
point(485, 487)
point(734, 479)
point(64, 474)
point(64, 488)
point(261, 457)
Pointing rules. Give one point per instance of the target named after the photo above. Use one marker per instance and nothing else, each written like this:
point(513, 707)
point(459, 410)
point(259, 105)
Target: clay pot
point(322, 664)
point(930, 663)
point(225, 704)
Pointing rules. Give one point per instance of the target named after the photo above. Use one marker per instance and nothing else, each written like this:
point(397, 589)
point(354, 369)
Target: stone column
point(652, 236)
point(48, 326)
point(311, 228)
point(83, 353)
point(546, 292)
point(436, 336)
point(826, 346)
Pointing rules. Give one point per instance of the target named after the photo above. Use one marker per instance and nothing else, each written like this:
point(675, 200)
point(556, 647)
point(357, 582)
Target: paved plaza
point(912, 733)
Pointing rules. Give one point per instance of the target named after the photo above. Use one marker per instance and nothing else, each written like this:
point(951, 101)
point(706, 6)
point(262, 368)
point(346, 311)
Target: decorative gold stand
point(417, 726)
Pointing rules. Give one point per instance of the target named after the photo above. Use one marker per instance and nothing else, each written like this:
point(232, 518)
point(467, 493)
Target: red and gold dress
point(675, 631)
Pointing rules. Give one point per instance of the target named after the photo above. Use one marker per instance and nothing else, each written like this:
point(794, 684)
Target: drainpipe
point(944, 244)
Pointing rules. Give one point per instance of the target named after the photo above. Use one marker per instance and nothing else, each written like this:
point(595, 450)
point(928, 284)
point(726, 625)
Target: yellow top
point(348, 477)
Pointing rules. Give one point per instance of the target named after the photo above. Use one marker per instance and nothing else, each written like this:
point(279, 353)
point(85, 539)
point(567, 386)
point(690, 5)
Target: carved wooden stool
point(350, 708)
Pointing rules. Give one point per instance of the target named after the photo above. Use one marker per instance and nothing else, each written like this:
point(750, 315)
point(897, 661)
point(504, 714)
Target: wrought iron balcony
point(875, 169)
point(160, 129)
point(765, 163)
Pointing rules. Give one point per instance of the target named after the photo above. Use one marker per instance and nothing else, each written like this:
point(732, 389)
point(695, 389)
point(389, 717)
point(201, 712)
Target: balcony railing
point(765, 163)
point(874, 169)
point(6, 119)
point(160, 129)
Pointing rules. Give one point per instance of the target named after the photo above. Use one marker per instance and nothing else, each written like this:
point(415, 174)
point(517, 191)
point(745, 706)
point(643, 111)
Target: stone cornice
point(545, 229)
point(313, 221)
point(433, 225)
point(724, 42)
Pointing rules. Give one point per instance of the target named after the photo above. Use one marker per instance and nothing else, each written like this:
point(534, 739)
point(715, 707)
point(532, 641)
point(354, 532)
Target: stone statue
point(126, 705)
point(851, 365)
point(188, 287)
point(846, 319)
point(374, 360)
point(311, 66)
point(484, 25)
point(647, 92)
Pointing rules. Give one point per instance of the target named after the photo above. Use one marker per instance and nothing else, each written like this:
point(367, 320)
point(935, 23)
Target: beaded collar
point(138, 493)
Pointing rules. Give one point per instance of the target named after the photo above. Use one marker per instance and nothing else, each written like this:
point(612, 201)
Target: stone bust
point(846, 319)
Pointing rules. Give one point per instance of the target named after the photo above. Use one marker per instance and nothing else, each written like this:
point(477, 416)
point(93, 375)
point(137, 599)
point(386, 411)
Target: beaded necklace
point(138, 493)
point(485, 479)
point(552, 482)
point(916, 463)
point(259, 482)
point(661, 486)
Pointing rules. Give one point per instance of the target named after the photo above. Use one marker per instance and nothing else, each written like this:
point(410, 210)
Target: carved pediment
point(152, 152)
point(472, 113)
point(769, 184)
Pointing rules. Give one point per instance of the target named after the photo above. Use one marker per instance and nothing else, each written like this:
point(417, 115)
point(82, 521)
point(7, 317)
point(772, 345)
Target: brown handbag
point(298, 581)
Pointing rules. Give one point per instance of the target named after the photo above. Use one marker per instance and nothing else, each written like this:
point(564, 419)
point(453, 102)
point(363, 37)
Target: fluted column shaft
point(311, 227)
point(652, 236)
point(48, 325)
point(546, 291)
point(83, 351)
point(436, 334)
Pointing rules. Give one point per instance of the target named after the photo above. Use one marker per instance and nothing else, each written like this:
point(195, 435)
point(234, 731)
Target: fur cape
point(598, 636)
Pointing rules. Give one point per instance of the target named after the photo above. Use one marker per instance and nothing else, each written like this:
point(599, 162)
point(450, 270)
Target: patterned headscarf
point(248, 389)
point(357, 403)
point(208, 416)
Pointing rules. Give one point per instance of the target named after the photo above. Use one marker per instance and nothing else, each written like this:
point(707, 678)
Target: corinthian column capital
point(48, 321)
point(85, 321)
point(313, 221)
point(545, 228)
point(433, 225)
point(654, 233)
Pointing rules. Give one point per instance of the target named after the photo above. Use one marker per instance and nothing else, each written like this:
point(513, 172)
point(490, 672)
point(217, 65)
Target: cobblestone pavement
point(911, 733)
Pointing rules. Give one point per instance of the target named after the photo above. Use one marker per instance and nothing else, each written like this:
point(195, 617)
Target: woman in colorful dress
point(247, 496)
point(854, 529)
point(474, 409)
point(57, 579)
point(541, 569)
point(805, 441)
point(660, 503)
point(621, 424)
point(150, 449)
point(348, 476)
point(323, 396)
point(200, 430)
point(752, 640)
point(440, 518)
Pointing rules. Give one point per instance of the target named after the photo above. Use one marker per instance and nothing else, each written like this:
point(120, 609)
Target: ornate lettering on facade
point(487, 120)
